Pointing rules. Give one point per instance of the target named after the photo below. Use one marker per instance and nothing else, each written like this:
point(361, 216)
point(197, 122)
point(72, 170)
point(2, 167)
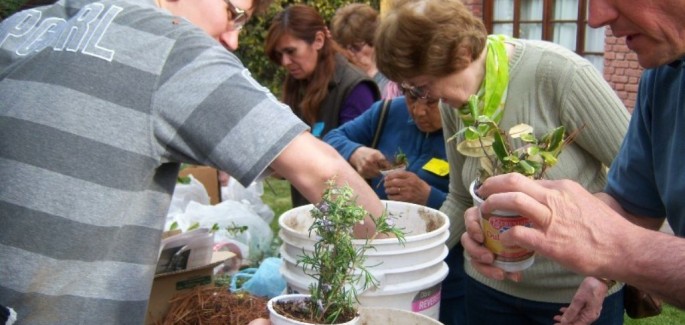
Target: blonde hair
point(427, 37)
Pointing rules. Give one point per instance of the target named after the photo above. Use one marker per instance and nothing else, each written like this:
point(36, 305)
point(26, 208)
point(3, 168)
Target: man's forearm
point(654, 262)
point(308, 163)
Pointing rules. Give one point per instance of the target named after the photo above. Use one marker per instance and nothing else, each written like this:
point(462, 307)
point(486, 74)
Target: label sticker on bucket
point(426, 298)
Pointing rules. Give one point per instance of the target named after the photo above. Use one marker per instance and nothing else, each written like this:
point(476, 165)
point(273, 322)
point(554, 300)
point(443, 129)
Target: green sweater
point(549, 86)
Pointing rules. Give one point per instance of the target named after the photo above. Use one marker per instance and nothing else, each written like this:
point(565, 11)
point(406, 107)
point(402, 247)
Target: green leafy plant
point(397, 161)
point(336, 263)
point(233, 229)
point(496, 149)
point(400, 159)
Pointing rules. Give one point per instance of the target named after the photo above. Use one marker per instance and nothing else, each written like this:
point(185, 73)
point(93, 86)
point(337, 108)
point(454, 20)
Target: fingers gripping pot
point(508, 258)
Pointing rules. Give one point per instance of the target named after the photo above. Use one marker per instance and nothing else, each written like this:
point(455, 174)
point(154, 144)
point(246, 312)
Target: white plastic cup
point(510, 259)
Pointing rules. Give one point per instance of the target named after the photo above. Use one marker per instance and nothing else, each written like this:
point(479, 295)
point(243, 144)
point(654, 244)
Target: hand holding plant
point(498, 155)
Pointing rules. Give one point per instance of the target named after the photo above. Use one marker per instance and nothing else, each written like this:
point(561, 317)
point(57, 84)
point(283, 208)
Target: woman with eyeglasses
point(439, 49)
point(410, 125)
point(353, 27)
point(321, 86)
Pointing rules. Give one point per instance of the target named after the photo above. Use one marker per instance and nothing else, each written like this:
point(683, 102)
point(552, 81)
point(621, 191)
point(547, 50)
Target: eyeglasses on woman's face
point(422, 92)
point(237, 17)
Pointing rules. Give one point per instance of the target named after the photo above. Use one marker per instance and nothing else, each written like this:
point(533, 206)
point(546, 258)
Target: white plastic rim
point(389, 250)
point(278, 319)
point(295, 224)
point(300, 283)
point(515, 266)
point(385, 276)
point(388, 171)
point(383, 260)
point(400, 295)
point(477, 201)
point(394, 316)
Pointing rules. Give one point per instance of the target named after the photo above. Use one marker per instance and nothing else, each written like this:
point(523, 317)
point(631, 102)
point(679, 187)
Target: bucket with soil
point(409, 274)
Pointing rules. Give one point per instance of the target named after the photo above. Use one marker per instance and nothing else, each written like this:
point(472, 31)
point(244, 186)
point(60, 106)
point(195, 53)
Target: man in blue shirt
point(610, 234)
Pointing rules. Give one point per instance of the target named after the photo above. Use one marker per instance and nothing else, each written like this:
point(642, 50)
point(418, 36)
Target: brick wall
point(621, 69)
point(476, 7)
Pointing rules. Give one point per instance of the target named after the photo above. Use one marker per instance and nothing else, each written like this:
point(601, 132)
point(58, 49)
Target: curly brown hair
point(354, 23)
point(427, 37)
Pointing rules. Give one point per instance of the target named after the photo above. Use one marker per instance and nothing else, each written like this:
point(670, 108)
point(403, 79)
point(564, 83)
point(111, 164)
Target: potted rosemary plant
point(335, 263)
point(517, 150)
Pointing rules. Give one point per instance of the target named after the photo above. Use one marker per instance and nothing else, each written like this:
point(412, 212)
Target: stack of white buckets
point(410, 275)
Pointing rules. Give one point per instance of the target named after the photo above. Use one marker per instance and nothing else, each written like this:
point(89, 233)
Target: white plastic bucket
point(409, 275)
point(393, 316)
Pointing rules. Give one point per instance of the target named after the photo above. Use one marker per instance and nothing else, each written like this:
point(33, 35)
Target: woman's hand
point(368, 162)
point(405, 186)
point(586, 305)
point(480, 256)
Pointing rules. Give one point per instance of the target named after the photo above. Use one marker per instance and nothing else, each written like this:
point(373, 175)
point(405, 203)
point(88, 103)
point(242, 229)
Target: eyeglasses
point(416, 92)
point(356, 47)
point(238, 17)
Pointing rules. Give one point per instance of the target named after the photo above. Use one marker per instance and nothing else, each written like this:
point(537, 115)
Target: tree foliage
point(7, 7)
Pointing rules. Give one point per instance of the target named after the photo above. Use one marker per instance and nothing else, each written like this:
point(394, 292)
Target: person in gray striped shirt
point(100, 102)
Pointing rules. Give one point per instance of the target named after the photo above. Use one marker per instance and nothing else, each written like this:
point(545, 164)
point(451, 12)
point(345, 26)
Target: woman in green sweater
point(441, 50)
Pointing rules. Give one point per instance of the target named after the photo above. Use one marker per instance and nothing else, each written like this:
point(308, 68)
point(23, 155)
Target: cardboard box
point(166, 285)
point(209, 177)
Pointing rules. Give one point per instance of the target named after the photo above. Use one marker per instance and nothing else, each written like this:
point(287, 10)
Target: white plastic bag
point(252, 196)
point(255, 240)
point(186, 193)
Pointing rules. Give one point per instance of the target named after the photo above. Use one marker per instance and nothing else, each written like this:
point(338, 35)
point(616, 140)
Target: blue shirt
point(399, 133)
point(648, 176)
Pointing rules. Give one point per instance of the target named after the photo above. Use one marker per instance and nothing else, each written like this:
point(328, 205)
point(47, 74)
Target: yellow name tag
point(437, 166)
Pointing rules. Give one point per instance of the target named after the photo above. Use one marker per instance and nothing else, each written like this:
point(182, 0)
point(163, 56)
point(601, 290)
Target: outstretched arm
point(308, 163)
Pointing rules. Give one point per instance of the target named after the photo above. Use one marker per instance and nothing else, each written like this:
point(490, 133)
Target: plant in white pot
point(335, 263)
point(499, 155)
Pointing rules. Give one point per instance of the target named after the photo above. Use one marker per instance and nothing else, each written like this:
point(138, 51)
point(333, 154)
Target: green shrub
point(8, 7)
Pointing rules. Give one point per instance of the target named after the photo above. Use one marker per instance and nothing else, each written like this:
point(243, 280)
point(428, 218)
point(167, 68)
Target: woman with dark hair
point(321, 86)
